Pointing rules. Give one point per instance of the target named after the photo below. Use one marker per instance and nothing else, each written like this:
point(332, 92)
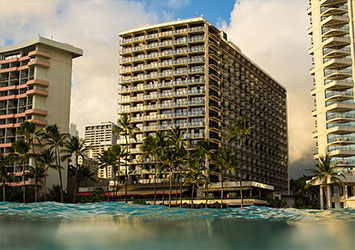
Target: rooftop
point(76, 52)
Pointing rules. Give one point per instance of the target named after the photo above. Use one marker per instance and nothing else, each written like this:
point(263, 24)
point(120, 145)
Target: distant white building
point(100, 137)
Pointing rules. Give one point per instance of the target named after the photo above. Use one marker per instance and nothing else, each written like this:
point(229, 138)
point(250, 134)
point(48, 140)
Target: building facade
point(332, 32)
point(100, 137)
point(35, 85)
point(186, 73)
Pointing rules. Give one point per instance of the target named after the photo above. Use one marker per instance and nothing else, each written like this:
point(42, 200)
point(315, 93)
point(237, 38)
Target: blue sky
point(215, 11)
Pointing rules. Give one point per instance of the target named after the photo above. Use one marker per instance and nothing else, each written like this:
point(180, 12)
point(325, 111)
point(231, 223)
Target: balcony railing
point(162, 95)
point(341, 139)
point(168, 126)
point(162, 105)
point(341, 93)
point(171, 115)
point(165, 53)
point(330, 50)
point(163, 74)
point(162, 64)
point(163, 84)
point(161, 34)
point(328, 72)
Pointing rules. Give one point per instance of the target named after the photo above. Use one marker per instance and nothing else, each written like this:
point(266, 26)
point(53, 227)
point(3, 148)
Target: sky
point(273, 33)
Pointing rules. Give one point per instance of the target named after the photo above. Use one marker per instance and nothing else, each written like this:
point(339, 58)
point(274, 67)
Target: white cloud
point(274, 34)
point(90, 25)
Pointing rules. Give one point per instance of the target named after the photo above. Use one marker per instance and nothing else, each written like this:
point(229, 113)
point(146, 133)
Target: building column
point(321, 201)
point(329, 195)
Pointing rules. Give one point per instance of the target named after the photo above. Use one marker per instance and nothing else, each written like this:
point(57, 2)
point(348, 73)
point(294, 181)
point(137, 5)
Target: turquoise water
point(51, 225)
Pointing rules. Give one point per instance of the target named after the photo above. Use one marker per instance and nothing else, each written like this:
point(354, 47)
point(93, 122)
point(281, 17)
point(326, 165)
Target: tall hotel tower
point(35, 85)
point(187, 73)
point(332, 30)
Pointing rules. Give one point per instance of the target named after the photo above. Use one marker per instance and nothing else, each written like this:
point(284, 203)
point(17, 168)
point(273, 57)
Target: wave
point(54, 210)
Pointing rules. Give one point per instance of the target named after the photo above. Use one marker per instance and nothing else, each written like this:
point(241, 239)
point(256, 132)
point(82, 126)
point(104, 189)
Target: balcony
point(331, 52)
point(331, 2)
point(331, 10)
point(341, 153)
point(339, 85)
point(161, 34)
point(39, 53)
point(36, 92)
point(339, 95)
point(341, 130)
point(36, 62)
point(335, 20)
point(341, 140)
point(335, 31)
point(336, 63)
point(336, 41)
point(340, 107)
point(332, 74)
point(38, 82)
point(161, 44)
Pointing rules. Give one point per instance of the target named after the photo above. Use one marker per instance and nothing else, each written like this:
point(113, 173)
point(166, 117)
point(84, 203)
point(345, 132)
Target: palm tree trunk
point(126, 170)
point(180, 178)
point(176, 188)
point(34, 158)
point(222, 191)
point(3, 190)
point(155, 183)
point(163, 189)
point(192, 195)
point(60, 173)
point(240, 175)
point(36, 187)
point(76, 178)
point(23, 179)
point(321, 201)
point(207, 181)
point(107, 188)
point(45, 185)
point(170, 186)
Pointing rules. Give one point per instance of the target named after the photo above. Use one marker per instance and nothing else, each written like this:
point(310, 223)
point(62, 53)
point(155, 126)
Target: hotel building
point(35, 85)
point(332, 32)
point(187, 73)
point(100, 137)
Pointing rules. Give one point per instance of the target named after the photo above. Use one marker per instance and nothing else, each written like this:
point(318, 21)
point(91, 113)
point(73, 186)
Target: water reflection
point(142, 228)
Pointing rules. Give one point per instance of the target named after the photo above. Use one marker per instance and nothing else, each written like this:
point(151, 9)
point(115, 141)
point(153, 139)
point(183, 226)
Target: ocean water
point(51, 225)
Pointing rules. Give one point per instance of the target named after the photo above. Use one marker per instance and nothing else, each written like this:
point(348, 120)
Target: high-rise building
point(332, 31)
point(100, 137)
point(35, 85)
point(186, 73)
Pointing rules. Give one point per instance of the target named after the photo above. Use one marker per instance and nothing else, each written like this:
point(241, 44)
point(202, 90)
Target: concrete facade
point(332, 32)
point(187, 73)
point(35, 85)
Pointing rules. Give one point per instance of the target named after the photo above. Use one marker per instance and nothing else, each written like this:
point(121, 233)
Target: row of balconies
point(163, 74)
point(165, 116)
point(162, 44)
point(161, 95)
point(198, 59)
point(162, 105)
point(199, 80)
point(162, 34)
point(199, 49)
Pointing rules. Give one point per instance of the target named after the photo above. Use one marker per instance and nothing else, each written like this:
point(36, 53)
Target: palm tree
point(74, 146)
point(106, 159)
point(21, 149)
point(38, 172)
point(176, 137)
point(166, 156)
point(55, 141)
point(46, 159)
point(204, 152)
point(240, 130)
point(5, 174)
point(124, 128)
point(85, 174)
point(30, 133)
point(150, 148)
point(225, 160)
point(118, 153)
point(326, 172)
point(193, 176)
